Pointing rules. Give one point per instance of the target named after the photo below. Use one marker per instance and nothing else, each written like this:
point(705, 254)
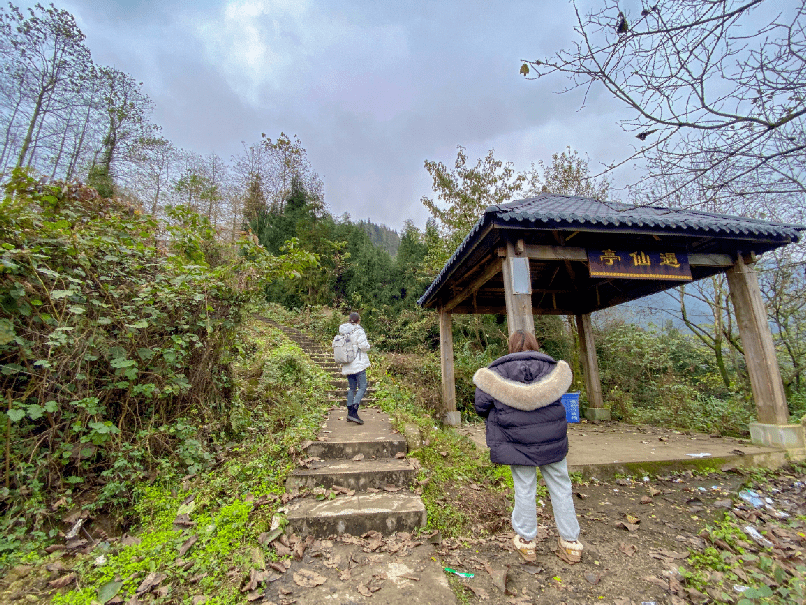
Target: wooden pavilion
point(555, 254)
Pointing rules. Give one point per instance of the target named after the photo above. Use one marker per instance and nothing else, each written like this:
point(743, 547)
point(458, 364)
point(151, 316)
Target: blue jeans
point(357, 384)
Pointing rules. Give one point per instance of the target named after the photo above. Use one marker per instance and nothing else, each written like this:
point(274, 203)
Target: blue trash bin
point(571, 403)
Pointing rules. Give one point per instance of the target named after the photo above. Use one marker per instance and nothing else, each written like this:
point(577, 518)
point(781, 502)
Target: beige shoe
point(525, 549)
point(570, 552)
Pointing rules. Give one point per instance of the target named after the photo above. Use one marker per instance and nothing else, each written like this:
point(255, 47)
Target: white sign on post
point(521, 278)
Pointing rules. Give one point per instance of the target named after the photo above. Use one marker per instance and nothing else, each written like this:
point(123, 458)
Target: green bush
point(115, 329)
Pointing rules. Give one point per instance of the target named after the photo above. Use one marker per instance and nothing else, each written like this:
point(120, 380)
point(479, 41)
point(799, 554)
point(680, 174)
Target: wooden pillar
point(452, 417)
point(759, 350)
point(590, 364)
point(517, 291)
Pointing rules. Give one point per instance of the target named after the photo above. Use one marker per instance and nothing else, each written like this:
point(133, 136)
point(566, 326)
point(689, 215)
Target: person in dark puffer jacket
point(519, 397)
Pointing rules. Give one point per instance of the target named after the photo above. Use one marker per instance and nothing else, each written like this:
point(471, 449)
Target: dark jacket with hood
point(519, 396)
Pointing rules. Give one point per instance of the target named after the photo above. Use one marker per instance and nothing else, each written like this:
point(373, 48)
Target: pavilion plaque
point(639, 264)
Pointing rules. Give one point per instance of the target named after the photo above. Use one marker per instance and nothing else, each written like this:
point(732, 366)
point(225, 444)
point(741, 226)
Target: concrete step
point(340, 399)
point(356, 515)
point(370, 392)
point(357, 475)
point(341, 383)
point(345, 440)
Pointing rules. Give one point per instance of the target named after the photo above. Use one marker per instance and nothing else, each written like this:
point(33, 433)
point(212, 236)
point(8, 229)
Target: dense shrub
point(115, 329)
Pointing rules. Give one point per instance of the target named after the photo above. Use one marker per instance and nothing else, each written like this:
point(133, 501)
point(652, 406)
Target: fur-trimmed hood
point(525, 396)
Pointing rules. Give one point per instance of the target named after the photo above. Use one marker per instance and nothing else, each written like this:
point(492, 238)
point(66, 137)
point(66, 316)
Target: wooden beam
point(446, 361)
point(493, 310)
point(710, 260)
point(759, 350)
point(590, 364)
point(536, 252)
point(474, 286)
point(478, 310)
point(519, 306)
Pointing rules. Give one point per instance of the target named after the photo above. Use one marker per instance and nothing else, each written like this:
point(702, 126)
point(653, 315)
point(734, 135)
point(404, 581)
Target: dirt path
point(637, 535)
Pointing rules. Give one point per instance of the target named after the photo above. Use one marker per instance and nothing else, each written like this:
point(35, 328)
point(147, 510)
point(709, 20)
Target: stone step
point(344, 440)
point(338, 383)
point(356, 515)
point(370, 392)
point(340, 399)
point(357, 475)
point(349, 449)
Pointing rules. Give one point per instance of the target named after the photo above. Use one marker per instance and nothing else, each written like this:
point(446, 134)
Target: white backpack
point(343, 349)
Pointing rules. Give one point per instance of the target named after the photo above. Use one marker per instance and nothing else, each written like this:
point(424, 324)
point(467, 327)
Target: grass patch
point(227, 506)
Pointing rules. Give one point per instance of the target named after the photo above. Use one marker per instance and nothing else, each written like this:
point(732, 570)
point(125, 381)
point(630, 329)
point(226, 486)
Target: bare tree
point(272, 166)
point(717, 88)
point(44, 62)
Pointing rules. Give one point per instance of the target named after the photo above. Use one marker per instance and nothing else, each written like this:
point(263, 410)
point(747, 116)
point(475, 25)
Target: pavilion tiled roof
point(549, 211)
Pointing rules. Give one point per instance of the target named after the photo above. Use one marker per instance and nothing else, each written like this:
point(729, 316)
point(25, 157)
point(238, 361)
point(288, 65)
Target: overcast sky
point(371, 88)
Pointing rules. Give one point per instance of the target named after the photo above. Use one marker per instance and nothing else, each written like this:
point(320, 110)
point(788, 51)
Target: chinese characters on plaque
point(639, 264)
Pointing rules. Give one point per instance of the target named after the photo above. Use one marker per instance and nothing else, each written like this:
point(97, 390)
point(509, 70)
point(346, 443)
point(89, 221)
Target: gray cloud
point(371, 88)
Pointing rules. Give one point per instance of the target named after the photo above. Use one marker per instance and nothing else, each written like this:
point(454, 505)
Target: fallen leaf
point(593, 578)
point(400, 455)
point(358, 457)
point(282, 550)
point(659, 553)
point(628, 549)
point(267, 538)
point(657, 582)
point(128, 540)
point(108, 590)
point(151, 581)
point(63, 581)
point(308, 579)
point(187, 545)
point(76, 544)
point(256, 577)
point(183, 521)
point(480, 593)
point(364, 590)
point(499, 577)
point(646, 500)
point(630, 527)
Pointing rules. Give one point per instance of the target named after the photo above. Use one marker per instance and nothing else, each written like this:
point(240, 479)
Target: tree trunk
point(26, 142)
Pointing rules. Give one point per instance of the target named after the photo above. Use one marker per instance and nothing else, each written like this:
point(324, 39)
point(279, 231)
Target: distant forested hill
point(382, 236)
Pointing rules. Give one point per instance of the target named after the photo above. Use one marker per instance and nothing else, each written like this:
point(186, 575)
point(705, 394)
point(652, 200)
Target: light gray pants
point(524, 514)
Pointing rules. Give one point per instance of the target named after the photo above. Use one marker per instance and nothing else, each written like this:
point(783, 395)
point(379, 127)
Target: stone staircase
point(324, 359)
point(365, 464)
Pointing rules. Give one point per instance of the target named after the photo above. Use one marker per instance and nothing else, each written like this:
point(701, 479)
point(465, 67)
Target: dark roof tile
point(569, 212)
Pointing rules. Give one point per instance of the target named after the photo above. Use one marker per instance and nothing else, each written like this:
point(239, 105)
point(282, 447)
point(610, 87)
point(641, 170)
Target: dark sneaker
point(354, 418)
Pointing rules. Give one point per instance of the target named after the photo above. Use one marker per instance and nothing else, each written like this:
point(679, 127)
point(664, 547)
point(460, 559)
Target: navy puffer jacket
point(519, 396)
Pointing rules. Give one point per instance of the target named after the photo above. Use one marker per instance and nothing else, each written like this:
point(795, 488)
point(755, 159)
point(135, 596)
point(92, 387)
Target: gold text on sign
point(640, 259)
point(669, 258)
point(608, 257)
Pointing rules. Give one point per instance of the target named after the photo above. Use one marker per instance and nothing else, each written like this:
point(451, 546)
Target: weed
point(223, 518)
